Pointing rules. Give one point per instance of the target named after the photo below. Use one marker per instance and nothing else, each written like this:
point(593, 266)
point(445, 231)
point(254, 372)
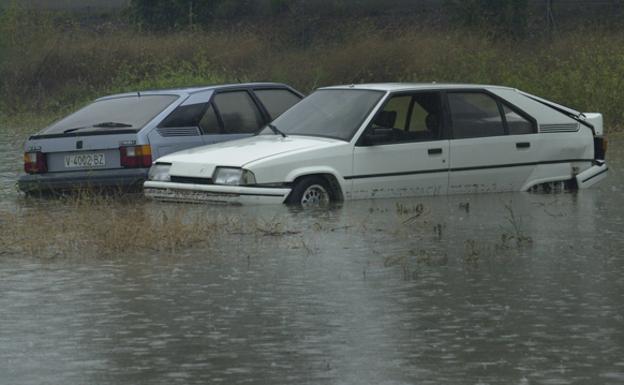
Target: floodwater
point(475, 289)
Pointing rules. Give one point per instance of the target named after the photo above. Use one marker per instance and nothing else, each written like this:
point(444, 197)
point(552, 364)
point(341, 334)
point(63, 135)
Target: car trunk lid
point(83, 152)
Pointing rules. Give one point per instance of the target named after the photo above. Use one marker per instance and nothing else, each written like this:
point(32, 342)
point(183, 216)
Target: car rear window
point(128, 112)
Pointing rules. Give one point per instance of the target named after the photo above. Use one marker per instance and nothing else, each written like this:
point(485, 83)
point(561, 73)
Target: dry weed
point(83, 229)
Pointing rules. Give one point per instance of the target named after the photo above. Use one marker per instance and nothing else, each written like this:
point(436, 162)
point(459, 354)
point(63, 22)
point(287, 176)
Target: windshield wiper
point(99, 125)
point(112, 125)
point(74, 129)
point(276, 130)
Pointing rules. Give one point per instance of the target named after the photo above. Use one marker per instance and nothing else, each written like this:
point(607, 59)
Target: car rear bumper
point(592, 175)
point(123, 179)
point(198, 193)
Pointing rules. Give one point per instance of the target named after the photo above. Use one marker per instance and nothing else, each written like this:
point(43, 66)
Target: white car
point(394, 140)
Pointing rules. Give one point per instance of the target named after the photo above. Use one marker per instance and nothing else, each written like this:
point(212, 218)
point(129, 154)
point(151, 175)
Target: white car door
point(494, 147)
point(405, 151)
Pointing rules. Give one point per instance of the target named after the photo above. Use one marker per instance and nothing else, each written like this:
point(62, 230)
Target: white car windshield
point(123, 113)
point(332, 113)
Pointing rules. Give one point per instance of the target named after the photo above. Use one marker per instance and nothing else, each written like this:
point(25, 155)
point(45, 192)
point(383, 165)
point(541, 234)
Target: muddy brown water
point(475, 289)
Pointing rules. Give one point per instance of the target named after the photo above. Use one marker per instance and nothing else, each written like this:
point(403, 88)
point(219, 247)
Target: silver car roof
point(192, 90)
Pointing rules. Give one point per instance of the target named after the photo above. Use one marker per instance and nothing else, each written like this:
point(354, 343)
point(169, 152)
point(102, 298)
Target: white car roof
point(391, 87)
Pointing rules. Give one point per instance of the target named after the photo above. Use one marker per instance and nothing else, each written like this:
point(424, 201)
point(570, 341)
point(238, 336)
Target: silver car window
point(209, 123)
point(185, 116)
point(277, 101)
point(238, 112)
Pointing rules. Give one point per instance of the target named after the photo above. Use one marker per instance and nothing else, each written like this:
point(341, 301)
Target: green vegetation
point(51, 62)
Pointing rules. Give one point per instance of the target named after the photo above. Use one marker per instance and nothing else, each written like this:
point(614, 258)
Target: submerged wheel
point(311, 191)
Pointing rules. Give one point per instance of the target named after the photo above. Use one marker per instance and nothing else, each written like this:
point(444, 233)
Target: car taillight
point(600, 148)
point(136, 156)
point(35, 162)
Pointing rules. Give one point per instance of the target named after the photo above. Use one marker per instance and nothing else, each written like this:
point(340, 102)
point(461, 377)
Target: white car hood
point(201, 161)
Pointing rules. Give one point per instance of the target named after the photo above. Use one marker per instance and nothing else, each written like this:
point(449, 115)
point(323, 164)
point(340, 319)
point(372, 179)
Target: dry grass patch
point(88, 225)
point(84, 229)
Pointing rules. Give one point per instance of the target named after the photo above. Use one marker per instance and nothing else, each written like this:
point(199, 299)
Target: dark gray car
point(111, 142)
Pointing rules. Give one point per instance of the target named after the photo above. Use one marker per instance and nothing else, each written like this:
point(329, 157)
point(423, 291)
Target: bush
point(170, 14)
point(47, 69)
point(507, 17)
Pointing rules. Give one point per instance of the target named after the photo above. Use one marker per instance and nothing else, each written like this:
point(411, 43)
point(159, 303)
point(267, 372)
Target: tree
point(168, 14)
point(499, 16)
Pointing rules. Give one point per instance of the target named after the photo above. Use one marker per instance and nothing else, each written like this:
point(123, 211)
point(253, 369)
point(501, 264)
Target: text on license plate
point(85, 160)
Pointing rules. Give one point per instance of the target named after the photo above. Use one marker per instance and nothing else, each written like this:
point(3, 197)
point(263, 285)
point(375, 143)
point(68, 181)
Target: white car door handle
point(523, 145)
point(434, 151)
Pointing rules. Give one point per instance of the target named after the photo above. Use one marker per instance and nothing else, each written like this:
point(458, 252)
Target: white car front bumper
point(199, 193)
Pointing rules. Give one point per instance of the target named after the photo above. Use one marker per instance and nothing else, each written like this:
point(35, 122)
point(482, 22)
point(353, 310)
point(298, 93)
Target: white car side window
point(517, 124)
point(412, 118)
point(474, 115)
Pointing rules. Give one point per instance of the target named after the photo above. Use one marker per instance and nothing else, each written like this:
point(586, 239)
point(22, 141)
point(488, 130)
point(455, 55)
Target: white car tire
point(311, 191)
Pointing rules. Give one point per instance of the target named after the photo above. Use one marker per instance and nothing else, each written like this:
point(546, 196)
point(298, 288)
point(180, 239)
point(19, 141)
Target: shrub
point(507, 17)
point(48, 68)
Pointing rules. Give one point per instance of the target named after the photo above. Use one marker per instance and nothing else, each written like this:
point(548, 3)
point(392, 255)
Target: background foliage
point(53, 61)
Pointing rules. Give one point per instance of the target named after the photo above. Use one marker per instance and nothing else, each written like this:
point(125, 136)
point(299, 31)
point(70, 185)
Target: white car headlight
point(159, 172)
point(233, 176)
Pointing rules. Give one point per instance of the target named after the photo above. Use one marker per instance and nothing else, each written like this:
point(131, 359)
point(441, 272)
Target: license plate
point(93, 159)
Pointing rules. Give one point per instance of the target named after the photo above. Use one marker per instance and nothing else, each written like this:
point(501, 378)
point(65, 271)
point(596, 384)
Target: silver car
point(111, 142)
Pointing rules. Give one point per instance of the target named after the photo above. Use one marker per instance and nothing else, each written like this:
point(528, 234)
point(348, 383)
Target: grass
point(96, 228)
point(51, 67)
point(87, 226)
point(90, 225)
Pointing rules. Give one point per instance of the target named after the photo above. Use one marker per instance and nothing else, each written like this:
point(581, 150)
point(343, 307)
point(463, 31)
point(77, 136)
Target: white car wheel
point(314, 196)
point(311, 191)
